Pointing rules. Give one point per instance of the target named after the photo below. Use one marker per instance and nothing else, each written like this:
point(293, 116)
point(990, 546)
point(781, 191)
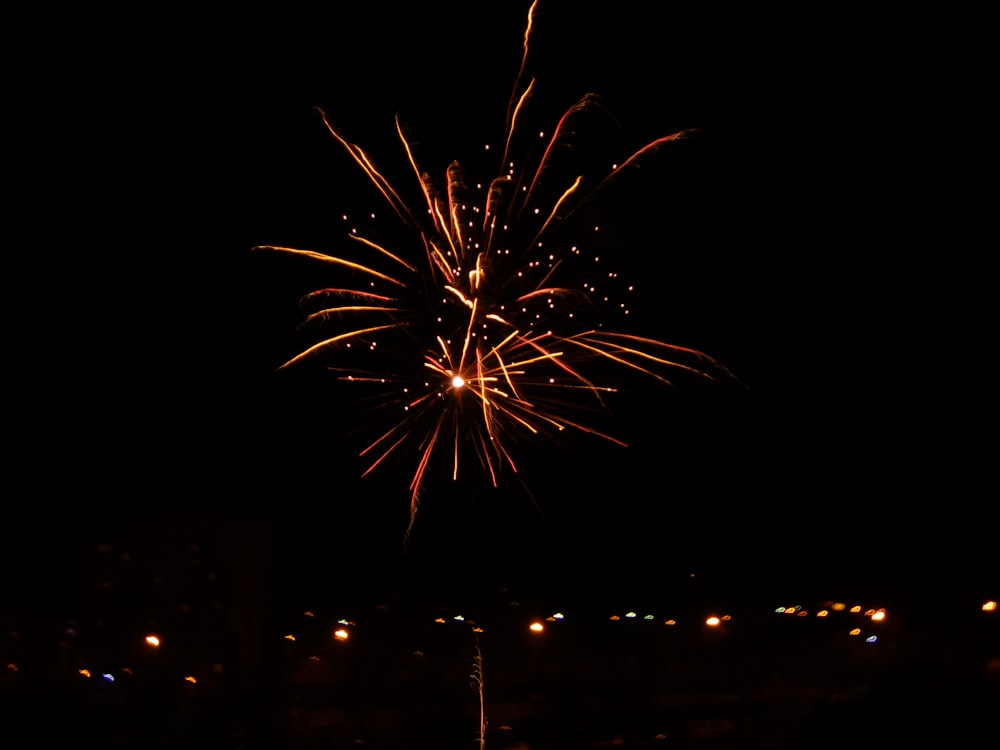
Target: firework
point(480, 325)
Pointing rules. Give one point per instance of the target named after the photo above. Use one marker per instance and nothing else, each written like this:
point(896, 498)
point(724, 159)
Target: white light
point(458, 381)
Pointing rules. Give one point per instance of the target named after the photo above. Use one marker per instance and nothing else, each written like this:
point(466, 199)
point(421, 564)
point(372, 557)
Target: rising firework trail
point(480, 326)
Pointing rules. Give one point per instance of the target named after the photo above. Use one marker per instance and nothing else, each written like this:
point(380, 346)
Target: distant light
point(477, 629)
point(648, 617)
point(869, 612)
point(439, 619)
point(289, 637)
point(458, 381)
point(190, 679)
point(856, 608)
point(670, 622)
point(108, 677)
point(989, 606)
point(614, 618)
point(536, 627)
point(712, 621)
point(308, 613)
point(459, 618)
point(838, 606)
point(84, 672)
point(630, 614)
point(878, 615)
point(341, 634)
point(558, 616)
point(153, 641)
point(822, 613)
point(871, 639)
point(12, 667)
point(779, 611)
point(856, 631)
point(726, 618)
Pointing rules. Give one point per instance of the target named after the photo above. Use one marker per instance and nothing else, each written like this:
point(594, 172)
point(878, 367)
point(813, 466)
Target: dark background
point(793, 242)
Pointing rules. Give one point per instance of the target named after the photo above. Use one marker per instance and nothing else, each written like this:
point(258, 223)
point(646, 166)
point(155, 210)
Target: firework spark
point(478, 328)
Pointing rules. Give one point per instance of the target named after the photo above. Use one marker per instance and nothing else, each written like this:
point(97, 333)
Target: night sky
point(780, 243)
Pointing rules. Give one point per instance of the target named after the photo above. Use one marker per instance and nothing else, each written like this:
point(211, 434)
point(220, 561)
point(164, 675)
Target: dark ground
point(596, 678)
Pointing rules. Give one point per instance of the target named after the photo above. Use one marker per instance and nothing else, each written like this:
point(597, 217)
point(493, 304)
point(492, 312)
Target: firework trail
point(479, 683)
point(477, 329)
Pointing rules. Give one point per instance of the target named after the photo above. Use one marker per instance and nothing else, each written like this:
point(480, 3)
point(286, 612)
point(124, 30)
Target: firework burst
point(480, 325)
